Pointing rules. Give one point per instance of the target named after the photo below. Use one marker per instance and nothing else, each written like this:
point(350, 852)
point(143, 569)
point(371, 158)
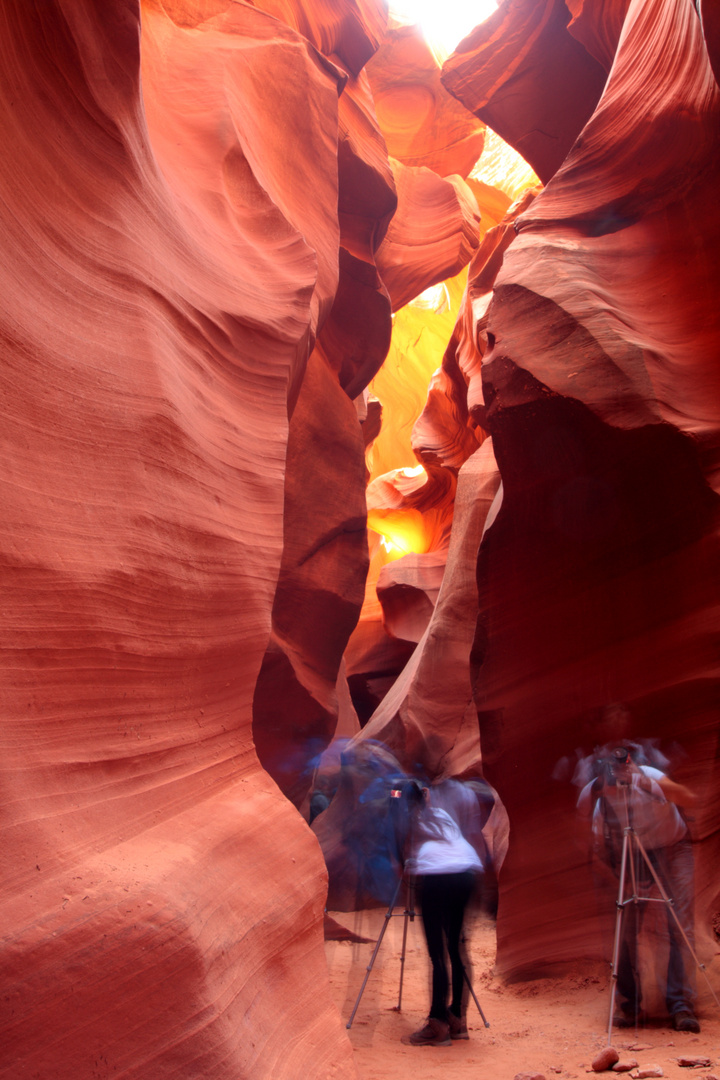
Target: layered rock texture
point(586, 346)
point(192, 194)
point(210, 212)
point(163, 281)
point(598, 581)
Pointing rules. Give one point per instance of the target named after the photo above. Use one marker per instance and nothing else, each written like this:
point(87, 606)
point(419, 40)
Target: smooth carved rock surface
point(148, 888)
point(420, 334)
point(601, 389)
point(428, 719)
point(356, 335)
point(529, 79)
point(349, 29)
point(407, 589)
point(432, 236)
point(324, 565)
point(423, 125)
point(598, 27)
point(321, 584)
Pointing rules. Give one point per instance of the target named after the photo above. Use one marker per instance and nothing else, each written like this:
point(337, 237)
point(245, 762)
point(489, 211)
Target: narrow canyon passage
point(361, 422)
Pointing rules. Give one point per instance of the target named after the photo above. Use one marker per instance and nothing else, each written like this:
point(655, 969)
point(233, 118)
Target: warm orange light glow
point(421, 331)
point(401, 532)
point(503, 168)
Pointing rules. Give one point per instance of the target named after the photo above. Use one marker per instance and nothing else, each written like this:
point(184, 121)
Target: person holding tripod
point(446, 866)
point(624, 792)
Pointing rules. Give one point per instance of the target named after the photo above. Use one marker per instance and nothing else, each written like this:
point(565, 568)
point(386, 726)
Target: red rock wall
point(193, 195)
point(385, 258)
point(197, 210)
point(164, 274)
point(321, 584)
point(528, 78)
point(598, 580)
point(587, 347)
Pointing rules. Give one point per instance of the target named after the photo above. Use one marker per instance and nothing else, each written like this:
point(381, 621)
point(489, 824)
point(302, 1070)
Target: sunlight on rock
point(502, 167)
point(443, 25)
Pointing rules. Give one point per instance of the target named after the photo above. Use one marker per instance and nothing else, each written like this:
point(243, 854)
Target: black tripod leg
point(486, 1022)
point(409, 913)
point(388, 916)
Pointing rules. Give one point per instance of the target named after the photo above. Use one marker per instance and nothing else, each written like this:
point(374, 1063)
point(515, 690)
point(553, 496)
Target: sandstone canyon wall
point(210, 212)
point(587, 347)
point(601, 389)
point(162, 283)
point(193, 198)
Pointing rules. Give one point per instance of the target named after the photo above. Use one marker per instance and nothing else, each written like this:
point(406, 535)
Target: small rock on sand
point(605, 1059)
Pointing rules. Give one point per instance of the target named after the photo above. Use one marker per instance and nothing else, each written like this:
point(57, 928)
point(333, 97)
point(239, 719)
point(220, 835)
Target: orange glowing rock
point(532, 82)
point(449, 424)
point(429, 717)
point(422, 124)
point(409, 514)
point(499, 178)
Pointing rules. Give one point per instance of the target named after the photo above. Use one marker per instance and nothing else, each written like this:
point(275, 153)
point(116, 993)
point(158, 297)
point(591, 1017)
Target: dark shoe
point(458, 1026)
point(435, 1033)
point(684, 1020)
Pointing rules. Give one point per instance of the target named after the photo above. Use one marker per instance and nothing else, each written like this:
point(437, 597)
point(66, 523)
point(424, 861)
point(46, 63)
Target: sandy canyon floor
point(549, 1026)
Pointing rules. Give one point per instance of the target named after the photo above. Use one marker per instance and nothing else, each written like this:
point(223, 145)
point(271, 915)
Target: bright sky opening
point(444, 23)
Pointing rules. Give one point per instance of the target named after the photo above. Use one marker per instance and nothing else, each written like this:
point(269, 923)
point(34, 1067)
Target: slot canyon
point(359, 404)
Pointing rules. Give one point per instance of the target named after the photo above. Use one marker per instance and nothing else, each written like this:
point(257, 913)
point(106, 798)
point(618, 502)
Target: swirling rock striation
point(321, 584)
point(598, 578)
point(432, 236)
point(424, 126)
point(529, 79)
point(169, 258)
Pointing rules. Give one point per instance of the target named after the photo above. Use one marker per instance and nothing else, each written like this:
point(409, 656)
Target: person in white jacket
point(446, 866)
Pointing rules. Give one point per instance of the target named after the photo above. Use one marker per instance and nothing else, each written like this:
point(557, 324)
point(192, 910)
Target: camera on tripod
point(612, 768)
point(409, 790)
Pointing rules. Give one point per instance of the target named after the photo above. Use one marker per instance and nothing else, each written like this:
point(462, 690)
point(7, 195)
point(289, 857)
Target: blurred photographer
point(622, 792)
point(446, 866)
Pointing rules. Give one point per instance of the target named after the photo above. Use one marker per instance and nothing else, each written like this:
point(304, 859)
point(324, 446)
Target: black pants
point(444, 898)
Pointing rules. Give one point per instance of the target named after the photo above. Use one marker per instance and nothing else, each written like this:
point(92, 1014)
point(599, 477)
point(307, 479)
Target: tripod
point(409, 915)
point(632, 841)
